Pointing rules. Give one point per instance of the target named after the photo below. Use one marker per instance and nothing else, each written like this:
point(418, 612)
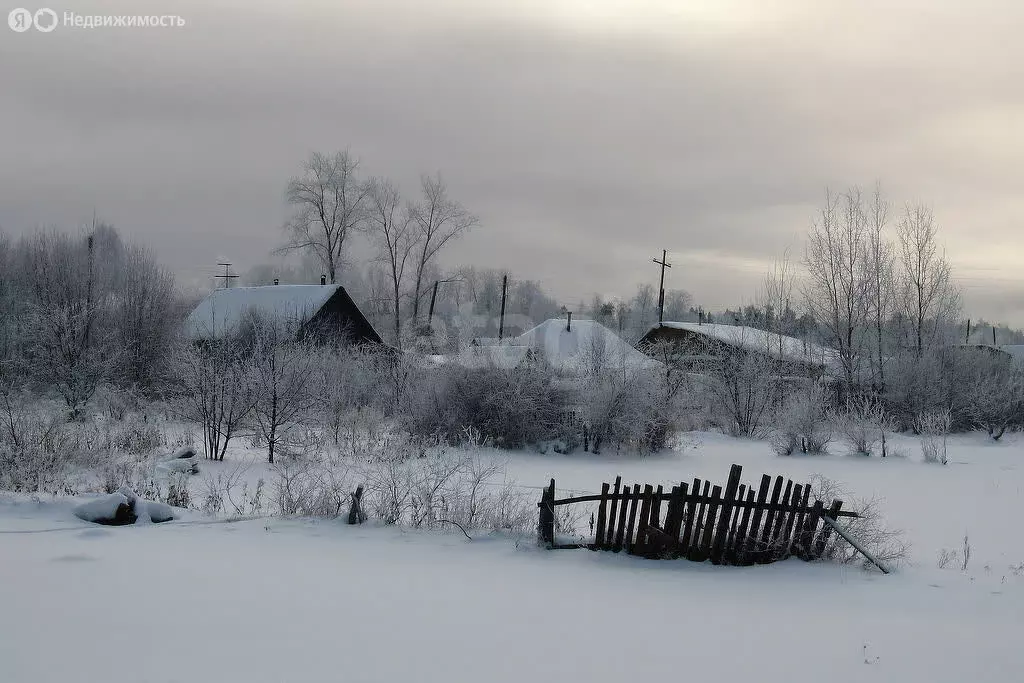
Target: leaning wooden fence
point(737, 525)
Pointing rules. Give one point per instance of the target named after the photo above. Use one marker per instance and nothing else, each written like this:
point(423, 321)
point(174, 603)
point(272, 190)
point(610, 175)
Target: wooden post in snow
point(501, 318)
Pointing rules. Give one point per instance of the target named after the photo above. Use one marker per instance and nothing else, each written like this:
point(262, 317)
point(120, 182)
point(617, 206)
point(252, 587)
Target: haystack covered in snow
point(581, 345)
point(326, 309)
point(714, 338)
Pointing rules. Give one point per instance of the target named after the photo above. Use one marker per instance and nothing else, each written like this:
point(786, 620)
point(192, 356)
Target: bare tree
point(391, 224)
point(929, 297)
point(439, 220)
point(837, 287)
point(282, 368)
point(880, 268)
point(215, 390)
point(329, 205)
point(776, 294)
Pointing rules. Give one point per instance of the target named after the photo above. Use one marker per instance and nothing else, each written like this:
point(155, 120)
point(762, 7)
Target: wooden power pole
point(501, 318)
point(661, 286)
point(227, 276)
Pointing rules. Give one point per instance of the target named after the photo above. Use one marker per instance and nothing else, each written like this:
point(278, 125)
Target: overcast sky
point(587, 135)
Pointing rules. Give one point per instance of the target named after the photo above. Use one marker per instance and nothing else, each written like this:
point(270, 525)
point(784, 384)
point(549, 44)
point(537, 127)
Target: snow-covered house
point(806, 358)
point(1012, 352)
point(580, 345)
point(326, 309)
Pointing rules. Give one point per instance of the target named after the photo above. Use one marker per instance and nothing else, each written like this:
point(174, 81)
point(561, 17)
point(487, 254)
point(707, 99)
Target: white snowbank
point(104, 509)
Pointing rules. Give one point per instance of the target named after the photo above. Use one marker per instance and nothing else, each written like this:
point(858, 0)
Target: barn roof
point(776, 345)
point(585, 342)
point(221, 313)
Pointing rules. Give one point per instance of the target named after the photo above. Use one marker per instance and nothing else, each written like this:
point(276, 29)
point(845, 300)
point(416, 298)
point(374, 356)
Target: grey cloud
point(585, 150)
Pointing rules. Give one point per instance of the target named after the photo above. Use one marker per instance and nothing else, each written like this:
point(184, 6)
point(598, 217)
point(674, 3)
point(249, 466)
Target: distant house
point(326, 310)
point(571, 348)
point(1011, 352)
point(710, 339)
point(580, 345)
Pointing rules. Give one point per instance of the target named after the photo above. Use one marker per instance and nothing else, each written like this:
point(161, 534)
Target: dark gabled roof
point(327, 307)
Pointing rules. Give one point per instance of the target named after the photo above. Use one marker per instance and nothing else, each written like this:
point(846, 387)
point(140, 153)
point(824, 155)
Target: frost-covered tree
point(329, 205)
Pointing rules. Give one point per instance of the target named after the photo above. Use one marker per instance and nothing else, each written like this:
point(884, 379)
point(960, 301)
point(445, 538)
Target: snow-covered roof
point(752, 339)
point(585, 344)
point(221, 312)
point(1016, 352)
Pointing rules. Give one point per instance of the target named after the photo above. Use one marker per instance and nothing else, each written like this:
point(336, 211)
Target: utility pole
point(501, 319)
point(661, 287)
point(227, 276)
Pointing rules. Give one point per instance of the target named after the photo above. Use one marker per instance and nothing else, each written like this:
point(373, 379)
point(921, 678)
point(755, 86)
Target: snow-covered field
point(300, 600)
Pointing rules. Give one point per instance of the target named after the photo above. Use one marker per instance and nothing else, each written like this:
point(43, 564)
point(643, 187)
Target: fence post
point(355, 512)
point(546, 528)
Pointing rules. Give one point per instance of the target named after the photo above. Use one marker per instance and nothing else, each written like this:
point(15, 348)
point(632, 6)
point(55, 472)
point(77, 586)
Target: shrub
point(934, 426)
point(862, 426)
point(802, 424)
point(510, 408)
point(887, 545)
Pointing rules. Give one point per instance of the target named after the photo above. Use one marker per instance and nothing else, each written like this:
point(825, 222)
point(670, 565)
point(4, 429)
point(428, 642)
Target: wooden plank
point(655, 519)
point(689, 519)
point(674, 515)
point(803, 543)
point(610, 539)
point(801, 516)
point(739, 547)
point(546, 527)
point(764, 540)
point(786, 538)
point(660, 543)
point(631, 525)
point(780, 521)
point(700, 523)
point(701, 499)
point(750, 547)
point(710, 524)
point(620, 532)
point(602, 518)
point(640, 542)
point(818, 549)
point(729, 553)
point(725, 515)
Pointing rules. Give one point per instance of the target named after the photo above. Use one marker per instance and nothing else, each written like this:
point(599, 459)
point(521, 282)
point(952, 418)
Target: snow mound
point(123, 508)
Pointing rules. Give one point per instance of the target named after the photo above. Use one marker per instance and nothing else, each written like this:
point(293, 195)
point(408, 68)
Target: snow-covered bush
point(137, 436)
point(887, 545)
point(801, 424)
point(510, 408)
point(311, 486)
point(934, 426)
point(441, 487)
point(39, 449)
point(997, 396)
point(742, 388)
point(862, 426)
point(624, 409)
point(228, 492)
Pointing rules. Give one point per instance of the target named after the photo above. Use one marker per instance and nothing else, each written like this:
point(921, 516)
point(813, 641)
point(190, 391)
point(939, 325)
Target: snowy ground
point(296, 600)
